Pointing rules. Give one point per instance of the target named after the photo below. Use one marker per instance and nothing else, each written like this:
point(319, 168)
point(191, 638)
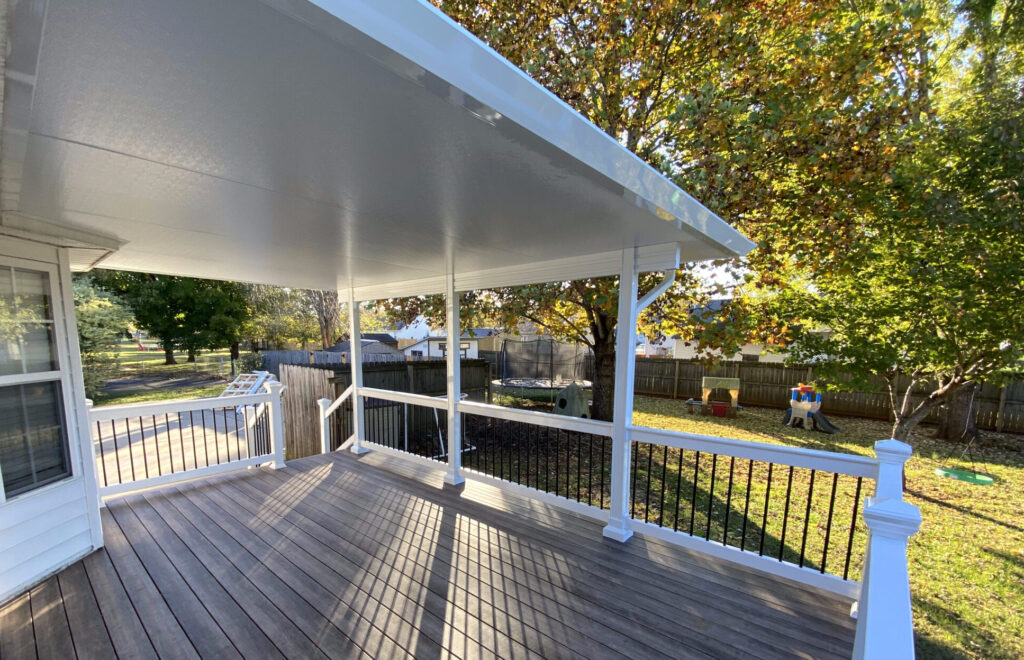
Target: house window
point(33, 433)
point(416, 353)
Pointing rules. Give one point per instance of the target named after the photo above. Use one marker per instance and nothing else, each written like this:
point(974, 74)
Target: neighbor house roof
point(321, 144)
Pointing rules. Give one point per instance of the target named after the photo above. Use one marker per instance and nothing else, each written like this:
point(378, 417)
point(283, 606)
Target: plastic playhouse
point(804, 407)
point(717, 408)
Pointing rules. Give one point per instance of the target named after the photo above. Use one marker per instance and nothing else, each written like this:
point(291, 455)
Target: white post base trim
point(453, 480)
point(358, 449)
point(617, 531)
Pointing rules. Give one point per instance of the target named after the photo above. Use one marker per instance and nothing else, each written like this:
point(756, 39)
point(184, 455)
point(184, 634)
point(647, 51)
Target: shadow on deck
point(341, 556)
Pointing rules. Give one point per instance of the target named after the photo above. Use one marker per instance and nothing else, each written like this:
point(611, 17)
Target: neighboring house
point(437, 347)
point(370, 347)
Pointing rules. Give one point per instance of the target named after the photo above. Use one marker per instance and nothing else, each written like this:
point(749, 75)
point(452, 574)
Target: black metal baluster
point(679, 491)
point(746, 506)
point(807, 518)
point(156, 441)
point(664, 475)
point(579, 461)
point(568, 461)
point(181, 441)
point(206, 446)
point(711, 496)
point(103, 457)
point(590, 469)
point(238, 440)
point(647, 493)
point(853, 527)
point(728, 501)
point(693, 494)
point(170, 448)
point(602, 471)
point(764, 519)
point(519, 454)
point(785, 513)
point(828, 523)
point(558, 458)
point(142, 438)
point(117, 453)
point(216, 440)
point(635, 446)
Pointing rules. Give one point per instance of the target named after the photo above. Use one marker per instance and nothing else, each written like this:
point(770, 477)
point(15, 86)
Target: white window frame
point(62, 374)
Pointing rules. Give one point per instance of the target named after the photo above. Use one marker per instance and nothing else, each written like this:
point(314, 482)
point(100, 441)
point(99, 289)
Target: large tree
point(783, 119)
point(182, 313)
point(929, 300)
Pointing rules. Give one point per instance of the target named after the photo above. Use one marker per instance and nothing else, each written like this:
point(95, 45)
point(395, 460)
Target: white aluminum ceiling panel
point(314, 146)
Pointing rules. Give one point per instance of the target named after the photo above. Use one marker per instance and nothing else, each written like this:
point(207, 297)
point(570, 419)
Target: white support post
point(454, 359)
point(885, 627)
point(276, 423)
point(618, 526)
point(325, 426)
point(355, 342)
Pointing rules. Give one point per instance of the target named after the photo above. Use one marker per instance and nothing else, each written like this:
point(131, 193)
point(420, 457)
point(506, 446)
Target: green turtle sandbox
point(966, 475)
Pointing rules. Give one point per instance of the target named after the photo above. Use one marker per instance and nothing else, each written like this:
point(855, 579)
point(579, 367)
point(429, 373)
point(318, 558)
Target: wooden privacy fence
point(272, 360)
point(768, 385)
point(306, 384)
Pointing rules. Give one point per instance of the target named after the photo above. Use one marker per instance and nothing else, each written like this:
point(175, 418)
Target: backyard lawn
point(966, 563)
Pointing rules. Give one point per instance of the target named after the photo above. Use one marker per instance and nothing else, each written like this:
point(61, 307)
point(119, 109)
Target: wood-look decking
point(341, 556)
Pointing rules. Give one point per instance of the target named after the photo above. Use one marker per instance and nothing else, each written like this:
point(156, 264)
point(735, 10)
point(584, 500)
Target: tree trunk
point(604, 380)
point(169, 354)
point(191, 355)
point(958, 422)
point(235, 351)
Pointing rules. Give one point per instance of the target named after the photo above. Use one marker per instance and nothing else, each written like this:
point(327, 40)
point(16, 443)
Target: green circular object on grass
point(966, 475)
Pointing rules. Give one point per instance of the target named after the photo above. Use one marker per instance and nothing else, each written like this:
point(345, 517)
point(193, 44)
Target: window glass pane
point(33, 439)
point(32, 291)
point(26, 322)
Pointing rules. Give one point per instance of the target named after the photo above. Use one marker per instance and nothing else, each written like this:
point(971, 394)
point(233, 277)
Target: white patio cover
point(322, 144)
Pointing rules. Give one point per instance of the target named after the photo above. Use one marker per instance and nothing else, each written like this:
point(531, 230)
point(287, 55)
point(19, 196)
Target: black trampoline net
point(541, 363)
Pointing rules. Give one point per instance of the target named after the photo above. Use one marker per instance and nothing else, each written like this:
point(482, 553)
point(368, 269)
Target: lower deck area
point(344, 556)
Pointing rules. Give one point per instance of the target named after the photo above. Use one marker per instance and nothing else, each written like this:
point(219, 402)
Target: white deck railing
point(150, 444)
point(818, 503)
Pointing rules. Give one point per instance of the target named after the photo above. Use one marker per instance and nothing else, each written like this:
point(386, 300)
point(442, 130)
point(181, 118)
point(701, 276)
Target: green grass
point(148, 395)
point(966, 563)
point(132, 363)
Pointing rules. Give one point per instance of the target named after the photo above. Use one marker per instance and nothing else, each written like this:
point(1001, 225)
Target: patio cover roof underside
point(317, 146)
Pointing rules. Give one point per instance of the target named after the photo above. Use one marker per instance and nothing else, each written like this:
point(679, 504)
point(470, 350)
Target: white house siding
point(44, 530)
point(688, 351)
point(434, 347)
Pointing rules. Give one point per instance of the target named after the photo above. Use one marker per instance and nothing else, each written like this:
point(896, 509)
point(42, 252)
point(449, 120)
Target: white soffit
point(321, 145)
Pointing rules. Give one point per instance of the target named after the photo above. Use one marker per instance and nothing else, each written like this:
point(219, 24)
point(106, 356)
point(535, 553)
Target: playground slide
point(821, 423)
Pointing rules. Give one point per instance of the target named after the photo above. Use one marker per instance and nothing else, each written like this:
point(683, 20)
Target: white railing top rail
point(404, 397)
point(337, 403)
point(825, 461)
point(563, 422)
point(175, 406)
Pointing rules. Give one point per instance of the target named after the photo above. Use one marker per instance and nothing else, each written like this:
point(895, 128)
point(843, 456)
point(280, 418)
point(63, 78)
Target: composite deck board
point(231, 614)
point(371, 557)
point(433, 586)
point(127, 634)
point(50, 622)
point(562, 608)
point(682, 599)
point(202, 628)
point(415, 627)
point(88, 631)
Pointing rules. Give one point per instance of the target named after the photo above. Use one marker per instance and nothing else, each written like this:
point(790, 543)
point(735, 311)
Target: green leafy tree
point(784, 119)
point(280, 318)
point(102, 319)
point(931, 296)
point(181, 312)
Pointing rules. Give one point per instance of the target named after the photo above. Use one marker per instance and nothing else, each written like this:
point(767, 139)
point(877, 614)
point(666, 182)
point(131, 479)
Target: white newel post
point(355, 343)
point(454, 359)
point(276, 423)
point(618, 526)
point(885, 627)
point(325, 426)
